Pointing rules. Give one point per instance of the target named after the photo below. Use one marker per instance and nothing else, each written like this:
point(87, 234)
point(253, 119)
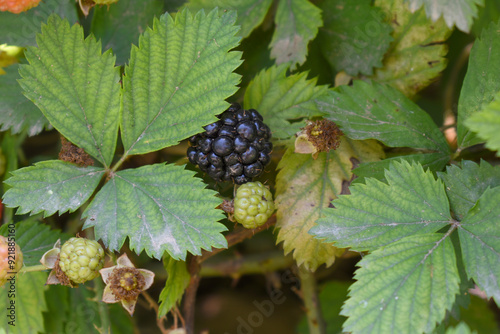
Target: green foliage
point(355, 36)
point(177, 79)
point(29, 304)
point(297, 23)
point(177, 282)
point(119, 26)
point(159, 208)
point(461, 328)
point(17, 113)
point(480, 84)
point(487, 14)
point(480, 240)
point(304, 187)
point(34, 239)
point(377, 214)
point(416, 56)
point(75, 86)
point(283, 99)
point(20, 29)
point(486, 123)
point(460, 13)
point(416, 276)
point(251, 13)
point(465, 184)
point(369, 110)
point(51, 186)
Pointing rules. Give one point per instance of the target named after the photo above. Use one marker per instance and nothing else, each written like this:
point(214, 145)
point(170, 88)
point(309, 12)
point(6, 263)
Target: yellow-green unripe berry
point(253, 204)
point(81, 259)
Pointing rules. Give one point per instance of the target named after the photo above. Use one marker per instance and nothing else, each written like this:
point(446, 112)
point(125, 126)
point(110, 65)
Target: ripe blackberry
point(237, 147)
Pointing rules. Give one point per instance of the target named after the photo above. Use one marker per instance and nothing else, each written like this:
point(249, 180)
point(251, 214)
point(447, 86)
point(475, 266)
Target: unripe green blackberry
point(81, 259)
point(253, 204)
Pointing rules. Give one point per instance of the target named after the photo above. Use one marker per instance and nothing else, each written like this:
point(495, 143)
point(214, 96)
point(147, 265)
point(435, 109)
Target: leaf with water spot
point(376, 214)
point(159, 208)
point(51, 186)
point(305, 186)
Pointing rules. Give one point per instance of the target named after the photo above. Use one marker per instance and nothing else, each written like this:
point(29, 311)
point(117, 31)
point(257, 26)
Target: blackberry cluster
point(237, 147)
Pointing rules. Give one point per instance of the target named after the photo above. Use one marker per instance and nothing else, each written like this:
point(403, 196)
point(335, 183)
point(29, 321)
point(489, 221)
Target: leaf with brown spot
point(305, 186)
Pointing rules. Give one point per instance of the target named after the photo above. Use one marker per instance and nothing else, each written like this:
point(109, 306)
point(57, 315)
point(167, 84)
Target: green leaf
point(460, 13)
point(487, 14)
point(283, 100)
point(34, 238)
point(405, 287)
point(432, 161)
point(417, 55)
point(251, 13)
point(465, 184)
point(479, 316)
point(377, 214)
point(481, 82)
point(178, 79)
point(20, 29)
point(461, 328)
point(486, 124)
point(297, 23)
point(160, 208)
point(480, 241)
point(51, 186)
point(305, 186)
point(76, 87)
point(29, 300)
point(177, 282)
point(17, 113)
point(56, 297)
point(369, 110)
point(120, 25)
point(354, 37)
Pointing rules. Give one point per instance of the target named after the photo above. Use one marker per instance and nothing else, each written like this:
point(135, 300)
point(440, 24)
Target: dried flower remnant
point(74, 154)
point(124, 283)
point(318, 136)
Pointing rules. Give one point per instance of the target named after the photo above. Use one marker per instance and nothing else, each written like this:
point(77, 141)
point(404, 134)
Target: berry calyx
point(253, 204)
point(81, 259)
point(235, 148)
point(11, 259)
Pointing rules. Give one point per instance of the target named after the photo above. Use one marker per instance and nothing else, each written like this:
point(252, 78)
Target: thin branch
point(311, 302)
point(236, 236)
point(190, 295)
point(160, 322)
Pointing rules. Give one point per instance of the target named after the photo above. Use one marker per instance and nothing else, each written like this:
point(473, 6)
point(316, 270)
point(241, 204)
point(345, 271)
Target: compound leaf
point(75, 86)
point(178, 78)
point(405, 287)
point(465, 184)
point(354, 37)
point(160, 208)
point(34, 239)
point(460, 13)
point(297, 23)
point(481, 82)
point(417, 54)
point(283, 100)
point(17, 113)
point(177, 282)
point(251, 13)
point(486, 123)
point(305, 186)
point(377, 213)
point(480, 241)
point(370, 110)
point(51, 186)
point(29, 304)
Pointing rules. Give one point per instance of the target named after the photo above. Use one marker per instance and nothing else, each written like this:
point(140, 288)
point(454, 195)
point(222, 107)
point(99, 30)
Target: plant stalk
point(311, 302)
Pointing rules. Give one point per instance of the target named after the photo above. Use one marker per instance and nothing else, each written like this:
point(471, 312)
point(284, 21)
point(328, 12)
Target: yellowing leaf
point(305, 186)
point(416, 57)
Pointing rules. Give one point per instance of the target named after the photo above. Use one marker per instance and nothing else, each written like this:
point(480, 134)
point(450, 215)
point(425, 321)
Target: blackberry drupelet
point(235, 148)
